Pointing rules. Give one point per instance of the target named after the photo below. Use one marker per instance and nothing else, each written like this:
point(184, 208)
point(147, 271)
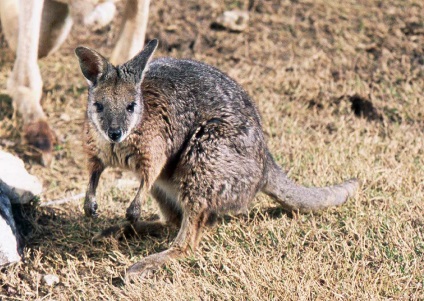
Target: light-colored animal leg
point(133, 31)
point(25, 84)
point(9, 14)
point(56, 23)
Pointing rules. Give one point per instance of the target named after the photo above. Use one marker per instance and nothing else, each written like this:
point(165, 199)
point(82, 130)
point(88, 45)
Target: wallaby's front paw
point(90, 208)
point(133, 213)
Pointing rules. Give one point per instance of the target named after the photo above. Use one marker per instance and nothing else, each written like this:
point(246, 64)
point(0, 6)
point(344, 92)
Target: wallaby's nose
point(114, 134)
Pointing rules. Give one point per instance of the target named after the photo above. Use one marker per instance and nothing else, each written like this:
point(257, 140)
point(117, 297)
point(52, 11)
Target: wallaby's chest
point(120, 155)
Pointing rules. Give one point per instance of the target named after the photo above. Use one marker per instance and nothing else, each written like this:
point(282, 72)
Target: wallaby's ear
point(93, 65)
point(136, 67)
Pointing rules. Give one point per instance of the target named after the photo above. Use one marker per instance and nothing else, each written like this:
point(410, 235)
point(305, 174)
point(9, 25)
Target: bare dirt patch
point(313, 68)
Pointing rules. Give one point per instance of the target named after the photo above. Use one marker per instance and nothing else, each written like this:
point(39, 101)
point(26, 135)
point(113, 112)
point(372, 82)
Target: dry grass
point(340, 87)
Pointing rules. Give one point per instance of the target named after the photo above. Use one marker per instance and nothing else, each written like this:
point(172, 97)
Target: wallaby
point(194, 138)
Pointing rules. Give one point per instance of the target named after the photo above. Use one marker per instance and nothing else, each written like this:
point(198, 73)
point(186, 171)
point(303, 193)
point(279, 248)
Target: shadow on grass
point(46, 224)
point(261, 214)
point(63, 236)
point(55, 231)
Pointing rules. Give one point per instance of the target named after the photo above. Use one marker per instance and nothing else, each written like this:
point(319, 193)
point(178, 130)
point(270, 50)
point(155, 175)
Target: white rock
point(8, 241)
point(8, 245)
point(15, 181)
point(235, 20)
point(50, 279)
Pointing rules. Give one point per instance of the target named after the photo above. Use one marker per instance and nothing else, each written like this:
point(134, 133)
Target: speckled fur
point(198, 146)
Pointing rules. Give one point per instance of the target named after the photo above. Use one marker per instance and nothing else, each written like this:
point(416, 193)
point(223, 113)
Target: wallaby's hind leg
point(195, 217)
point(215, 175)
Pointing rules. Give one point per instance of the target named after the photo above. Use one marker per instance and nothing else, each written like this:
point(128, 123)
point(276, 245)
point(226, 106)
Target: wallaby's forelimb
point(292, 196)
point(90, 204)
point(134, 210)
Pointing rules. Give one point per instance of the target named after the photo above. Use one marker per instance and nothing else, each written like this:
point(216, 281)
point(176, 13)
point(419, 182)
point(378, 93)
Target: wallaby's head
point(115, 103)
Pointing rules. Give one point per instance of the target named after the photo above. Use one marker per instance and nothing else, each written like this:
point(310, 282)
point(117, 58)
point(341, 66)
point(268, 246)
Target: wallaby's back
point(198, 92)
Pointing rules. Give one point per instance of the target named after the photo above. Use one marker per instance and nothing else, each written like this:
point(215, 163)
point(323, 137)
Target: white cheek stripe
point(99, 128)
point(133, 123)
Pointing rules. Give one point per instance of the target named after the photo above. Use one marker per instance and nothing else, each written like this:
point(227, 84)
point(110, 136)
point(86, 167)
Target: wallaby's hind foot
point(145, 268)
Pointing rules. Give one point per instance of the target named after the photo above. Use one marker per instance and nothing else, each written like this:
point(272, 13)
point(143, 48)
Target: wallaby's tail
point(295, 197)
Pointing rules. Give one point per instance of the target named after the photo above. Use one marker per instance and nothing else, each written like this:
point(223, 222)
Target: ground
point(340, 89)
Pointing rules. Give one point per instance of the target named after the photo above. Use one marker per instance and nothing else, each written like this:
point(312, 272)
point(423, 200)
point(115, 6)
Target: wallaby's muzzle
point(114, 134)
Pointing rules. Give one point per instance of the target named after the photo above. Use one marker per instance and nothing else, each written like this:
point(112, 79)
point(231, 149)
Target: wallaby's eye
point(99, 107)
point(131, 106)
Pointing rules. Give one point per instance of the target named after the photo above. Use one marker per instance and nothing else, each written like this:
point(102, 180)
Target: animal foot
point(133, 213)
point(39, 135)
point(145, 268)
point(90, 208)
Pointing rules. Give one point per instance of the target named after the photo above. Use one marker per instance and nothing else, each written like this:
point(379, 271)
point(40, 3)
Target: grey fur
point(197, 142)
